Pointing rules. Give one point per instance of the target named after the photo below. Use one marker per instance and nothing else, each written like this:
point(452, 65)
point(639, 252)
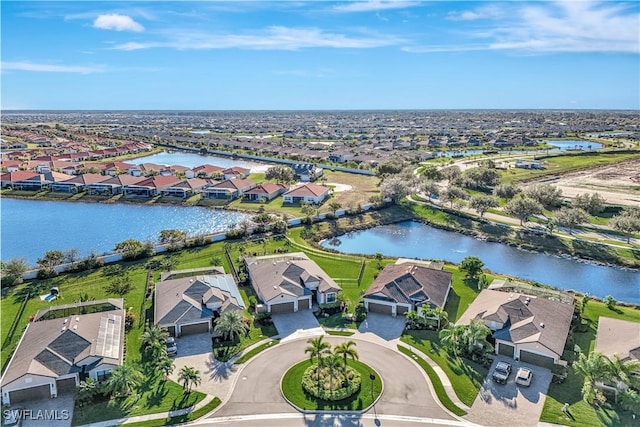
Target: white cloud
point(370, 6)
point(117, 22)
point(52, 68)
point(562, 26)
point(272, 38)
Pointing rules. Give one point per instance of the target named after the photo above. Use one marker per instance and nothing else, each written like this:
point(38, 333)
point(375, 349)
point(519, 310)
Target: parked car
point(524, 376)
point(172, 347)
point(501, 372)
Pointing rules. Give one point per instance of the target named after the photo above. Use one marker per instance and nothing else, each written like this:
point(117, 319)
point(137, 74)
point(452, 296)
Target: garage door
point(380, 308)
point(536, 359)
point(303, 304)
point(66, 385)
point(198, 328)
point(172, 331)
point(33, 393)
point(401, 310)
point(285, 307)
point(505, 350)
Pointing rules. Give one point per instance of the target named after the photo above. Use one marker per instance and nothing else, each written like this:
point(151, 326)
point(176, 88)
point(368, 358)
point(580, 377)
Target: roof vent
point(77, 318)
point(64, 328)
point(75, 327)
point(526, 302)
point(65, 321)
point(275, 287)
point(541, 325)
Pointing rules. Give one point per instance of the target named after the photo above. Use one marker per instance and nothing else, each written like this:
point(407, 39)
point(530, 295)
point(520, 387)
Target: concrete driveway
point(511, 404)
point(59, 411)
point(301, 324)
point(384, 326)
point(195, 351)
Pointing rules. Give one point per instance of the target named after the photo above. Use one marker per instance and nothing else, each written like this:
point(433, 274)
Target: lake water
point(570, 144)
point(416, 240)
point(31, 227)
point(191, 160)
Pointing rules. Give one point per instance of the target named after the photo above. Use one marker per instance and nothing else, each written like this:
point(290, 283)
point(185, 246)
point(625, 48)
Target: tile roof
point(308, 190)
point(619, 337)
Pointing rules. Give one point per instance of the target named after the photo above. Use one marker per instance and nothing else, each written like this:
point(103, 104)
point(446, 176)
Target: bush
point(343, 387)
point(361, 313)
point(46, 273)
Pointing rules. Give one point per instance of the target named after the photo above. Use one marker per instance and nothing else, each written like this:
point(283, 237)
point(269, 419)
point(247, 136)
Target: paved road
point(406, 390)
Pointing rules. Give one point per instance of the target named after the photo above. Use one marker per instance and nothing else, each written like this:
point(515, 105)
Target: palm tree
point(123, 380)
point(593, 368)
point(317, 348)
point(622, 370)
point(165, 366)
point(189, 377)
point(231, 325)
point(345, 350)
point(451, 338)
point(332, 362)
point(475, 333)
point(153, 335)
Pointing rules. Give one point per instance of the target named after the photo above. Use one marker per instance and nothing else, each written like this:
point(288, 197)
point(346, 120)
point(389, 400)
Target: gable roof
point(306, 190)
point(86, 178)
point(267, 188)
point(18, 176)
point(286, 274)
point(182, 300)
point(619, 337)
point(54, 347)
point(232, 184)
point(526, 318)
point(208, 169)
point(158, 181)
point(409, 283)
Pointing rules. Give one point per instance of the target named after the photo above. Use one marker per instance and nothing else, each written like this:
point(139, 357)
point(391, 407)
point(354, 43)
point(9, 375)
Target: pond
point(574, 145)
point(191, 160)
point(416, 240)
point(32, 227)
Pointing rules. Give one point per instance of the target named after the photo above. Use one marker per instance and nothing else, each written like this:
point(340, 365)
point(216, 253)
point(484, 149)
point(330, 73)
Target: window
point(102, 375)
point(331, 297)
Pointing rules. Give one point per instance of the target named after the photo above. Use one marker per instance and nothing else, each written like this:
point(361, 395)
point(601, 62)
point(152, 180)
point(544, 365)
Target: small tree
point(121, 285)
point(591, 203)
point(611, 302)
point(172, 237)
point(13, 270)
point(471, 266)
point(51, 259)
point(394, 188)
point(189, 377)
point(453, 195)
point(123, 380)
point(571, 217)
point(130, 249)
point(231, 325)
point(523, 208)
point(482, 203)
point(334, 206)
point(625, 224)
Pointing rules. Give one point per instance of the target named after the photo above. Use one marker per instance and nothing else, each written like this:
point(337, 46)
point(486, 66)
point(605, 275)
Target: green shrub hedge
point(342, 386)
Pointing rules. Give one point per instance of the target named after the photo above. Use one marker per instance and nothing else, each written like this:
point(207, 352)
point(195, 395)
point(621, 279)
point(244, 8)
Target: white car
point(172, 347)
point(524, 376)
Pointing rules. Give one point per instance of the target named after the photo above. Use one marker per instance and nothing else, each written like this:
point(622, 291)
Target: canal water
point(415, 240)
point(191, 160)
point(32, 227)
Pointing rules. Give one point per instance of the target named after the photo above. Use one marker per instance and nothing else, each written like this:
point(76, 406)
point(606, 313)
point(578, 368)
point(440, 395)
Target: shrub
point(46, 273)
point(361, 313)
point(343, 386)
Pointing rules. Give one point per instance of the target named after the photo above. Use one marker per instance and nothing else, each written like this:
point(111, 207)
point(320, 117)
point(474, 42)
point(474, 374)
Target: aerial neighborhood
point(396, 266)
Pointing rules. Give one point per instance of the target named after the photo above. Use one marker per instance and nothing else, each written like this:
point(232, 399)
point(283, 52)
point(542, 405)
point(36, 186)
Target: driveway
point(301, 324)
point(384, 326)
point(509, 404)
point(195, 351)
point(58, 411)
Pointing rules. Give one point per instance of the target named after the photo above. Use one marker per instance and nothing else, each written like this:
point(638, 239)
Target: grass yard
point(254, 351)
point(569, 391)
point(466, 377)
point(155, 395)
point(181, 418)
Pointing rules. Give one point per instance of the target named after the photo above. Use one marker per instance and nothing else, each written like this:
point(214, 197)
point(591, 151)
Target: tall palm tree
point(189, 377)
point(153, 335)
point(475, 333)
point(123, 380)
point(593, 368)
point(621, 370)
point(451, 338)
point(332, 362)
point(317, 348)
point(231, 325)
point(165, 366)
point(346, 350)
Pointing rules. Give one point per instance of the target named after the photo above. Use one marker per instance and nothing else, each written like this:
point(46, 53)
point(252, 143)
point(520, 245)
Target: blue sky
point(320, 55)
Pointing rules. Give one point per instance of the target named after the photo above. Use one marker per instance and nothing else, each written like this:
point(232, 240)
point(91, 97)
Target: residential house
point(236, 172)
point(621, 338)
point(290, 282)
point(528, 164)
point(265, 191)
point(11, 165)
point(227, 190)
point(186, 188)
point(21, 180)
point(113, 185)
point(187, 301)
point(53, 356)
point(150, 186)
point(204, 171)
point(527, 328)
point(117, 168)
point(78, 183)
point(306, 172)
point(310, 193)
point(400, 288)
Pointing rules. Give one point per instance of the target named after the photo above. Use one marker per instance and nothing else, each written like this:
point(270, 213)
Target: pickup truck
point(501, 372)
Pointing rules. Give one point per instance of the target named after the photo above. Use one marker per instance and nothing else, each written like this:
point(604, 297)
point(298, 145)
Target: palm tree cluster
point(154, 341)
point(596, 368)
point(331, 368)
point(466, 340)
point(189, 377)
point(425, 317)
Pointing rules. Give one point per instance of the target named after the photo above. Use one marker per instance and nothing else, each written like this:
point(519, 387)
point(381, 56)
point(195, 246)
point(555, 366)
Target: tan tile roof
point(619, 337)
point(306, 190)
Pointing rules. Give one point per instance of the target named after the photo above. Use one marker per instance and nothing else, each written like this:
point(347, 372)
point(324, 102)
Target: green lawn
point(569, 391)
point(180, 419)
point(443, 397)
point(154, 396)
point(293, 391)
point(466, 377)
point(254, 351)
